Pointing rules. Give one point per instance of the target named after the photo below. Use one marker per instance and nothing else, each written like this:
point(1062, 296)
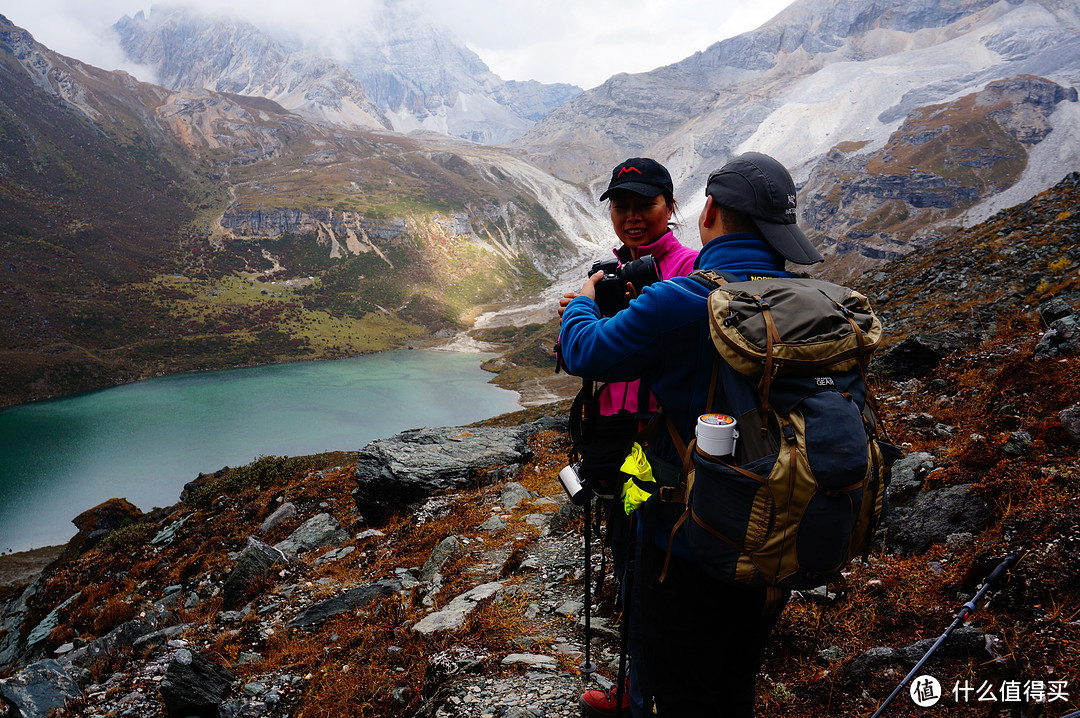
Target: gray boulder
point(917, 355)
point(320, 530)
point(48, 624)
point(1018, 444)
point(168, 534)
point(255, 563)
point(394, 473)
point(965, 641)
point(1053, 309)
point(282, 514)
point(453, 616)
point(502, 474)
point(493, 524)
point(193, 686)
point(442, 553)
point(1062, 338)
point(122, 637)
point(351, 600)
point(906, 477)
point(1070, 419)
point(873, 661)
point(513, 494)
point(565, 518)
point(39, 690)
point(929, 517)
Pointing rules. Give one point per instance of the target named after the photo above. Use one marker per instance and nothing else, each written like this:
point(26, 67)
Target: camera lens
point(640, 272)
point(611, 289)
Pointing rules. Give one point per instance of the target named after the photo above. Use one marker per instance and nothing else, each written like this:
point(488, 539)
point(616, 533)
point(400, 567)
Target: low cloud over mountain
point(399, 72)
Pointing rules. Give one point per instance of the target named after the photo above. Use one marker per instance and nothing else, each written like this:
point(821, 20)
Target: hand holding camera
point(621, 283)
point(612, 285)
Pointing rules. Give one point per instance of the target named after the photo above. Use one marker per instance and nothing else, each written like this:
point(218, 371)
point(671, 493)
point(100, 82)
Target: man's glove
point(641, 484)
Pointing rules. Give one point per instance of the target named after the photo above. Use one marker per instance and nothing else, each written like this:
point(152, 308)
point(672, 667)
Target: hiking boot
point(600, 703)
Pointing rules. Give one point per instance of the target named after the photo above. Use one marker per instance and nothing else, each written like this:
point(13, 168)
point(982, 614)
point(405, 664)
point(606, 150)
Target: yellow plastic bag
point(637, 466)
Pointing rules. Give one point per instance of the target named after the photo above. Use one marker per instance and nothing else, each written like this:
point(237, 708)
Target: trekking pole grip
point(1002, 568)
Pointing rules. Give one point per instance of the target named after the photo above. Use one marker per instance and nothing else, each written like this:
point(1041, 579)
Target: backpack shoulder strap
point(578, 431)
point(711, 278)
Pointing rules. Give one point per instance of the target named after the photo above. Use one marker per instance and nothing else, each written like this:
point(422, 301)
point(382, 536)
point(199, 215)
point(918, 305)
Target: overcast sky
point(582, 43)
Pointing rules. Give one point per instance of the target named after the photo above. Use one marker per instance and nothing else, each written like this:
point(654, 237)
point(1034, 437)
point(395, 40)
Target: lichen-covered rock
point(254, 565)
point(320, 530)
point(97, 523)
point(1062, 337)
point(442, 553)
point(453, 616)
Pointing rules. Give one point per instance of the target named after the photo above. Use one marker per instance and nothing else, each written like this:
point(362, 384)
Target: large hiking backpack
point(805, 488)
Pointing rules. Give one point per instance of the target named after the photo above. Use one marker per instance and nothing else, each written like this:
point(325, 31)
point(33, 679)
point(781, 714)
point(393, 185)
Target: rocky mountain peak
point(401, 72)
point(189, 51)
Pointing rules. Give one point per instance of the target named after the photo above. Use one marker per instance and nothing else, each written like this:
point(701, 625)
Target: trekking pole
point(992, 580)
point(587, 667)
point(627, 601)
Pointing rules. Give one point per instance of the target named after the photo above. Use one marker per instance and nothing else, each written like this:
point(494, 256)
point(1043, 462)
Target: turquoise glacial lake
point(144, 441)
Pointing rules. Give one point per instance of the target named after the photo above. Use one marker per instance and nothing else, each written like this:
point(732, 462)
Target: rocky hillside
point(193, 229)
point(95, 195)
point(943, 160)
point(297, 587)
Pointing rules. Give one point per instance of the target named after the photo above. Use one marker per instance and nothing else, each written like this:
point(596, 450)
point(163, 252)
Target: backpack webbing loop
point(772, 336)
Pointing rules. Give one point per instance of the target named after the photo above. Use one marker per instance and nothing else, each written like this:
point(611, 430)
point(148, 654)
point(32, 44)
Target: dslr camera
point(611, 289)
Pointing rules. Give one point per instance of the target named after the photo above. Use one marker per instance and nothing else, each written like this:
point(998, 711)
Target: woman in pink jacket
point(642, 206)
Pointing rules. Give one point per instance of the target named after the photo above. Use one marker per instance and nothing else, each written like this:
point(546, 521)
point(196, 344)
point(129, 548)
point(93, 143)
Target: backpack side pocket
point(731, 511)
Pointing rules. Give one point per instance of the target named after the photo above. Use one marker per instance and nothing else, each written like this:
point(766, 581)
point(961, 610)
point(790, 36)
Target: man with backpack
point(704, 637)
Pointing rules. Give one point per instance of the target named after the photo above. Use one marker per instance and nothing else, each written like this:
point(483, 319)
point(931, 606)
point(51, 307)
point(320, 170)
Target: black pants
point(704, 643)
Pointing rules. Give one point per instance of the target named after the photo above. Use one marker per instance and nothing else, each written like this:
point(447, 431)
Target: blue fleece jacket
point(664, 334)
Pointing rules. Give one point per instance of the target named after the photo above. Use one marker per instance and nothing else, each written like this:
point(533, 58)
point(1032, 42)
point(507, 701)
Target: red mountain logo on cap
point(628, 169)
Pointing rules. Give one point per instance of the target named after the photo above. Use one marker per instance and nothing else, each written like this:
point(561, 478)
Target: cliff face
point(274, 222)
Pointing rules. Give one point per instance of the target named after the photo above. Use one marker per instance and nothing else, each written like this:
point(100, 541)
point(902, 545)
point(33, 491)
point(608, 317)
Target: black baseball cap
point(640, 175)
point(758, 186)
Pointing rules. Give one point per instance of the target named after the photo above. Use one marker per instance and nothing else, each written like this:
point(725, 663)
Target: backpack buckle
point(672, 494)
